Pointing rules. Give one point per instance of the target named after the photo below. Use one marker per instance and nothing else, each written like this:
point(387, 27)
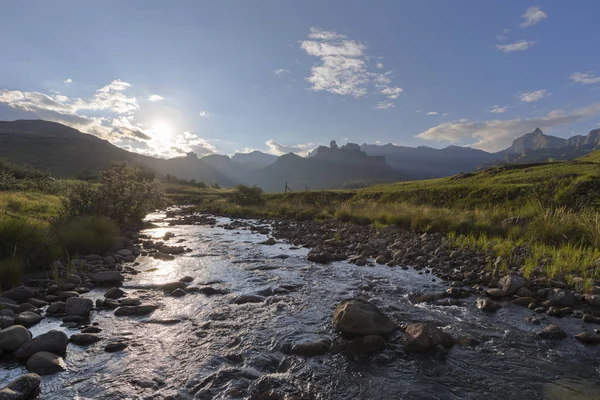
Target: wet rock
point(115, 346)
point(6, 321)
point(63, 296)
point(91, 329)
point(591, 318)
point(269, 242)
point(319, 256)
point(45, 363)
point(169, 287)
point(37, 303)
point(359, 317)
point(533, 320)
point(20, 293)
point(524, 292)
point(107, 303)
point(210, 291)
point(21, 388)
point(114, 293)
point(187, 279)
point(78, 306)
point(130, 302)
point(497, 293)
point(592, 299)
point(487, 305)
point(510, 284)
point(128, 311)
point(107, 278)
point(312, 348)
point(366, 345)
point(13, 337)
point(178, 293)
point(5, 312)
point(523, 301)
point(588, 337)
point(162, 256)
point(172, 249)
point(562, 298)
point(56, 308)
point(52, 341)
point(425, 336)
point(552, 332)
point(125, 252)
point(381, 259)
point(27, 319)
point(84, 339)
point(248, 298)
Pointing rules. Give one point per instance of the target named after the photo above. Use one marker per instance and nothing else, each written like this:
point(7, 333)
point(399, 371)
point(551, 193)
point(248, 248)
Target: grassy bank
point(550, 209)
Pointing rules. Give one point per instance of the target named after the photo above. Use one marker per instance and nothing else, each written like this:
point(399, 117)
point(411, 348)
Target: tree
point(247, 195)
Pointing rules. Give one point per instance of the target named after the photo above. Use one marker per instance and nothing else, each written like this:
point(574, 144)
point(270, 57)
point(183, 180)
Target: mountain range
point(66, 152)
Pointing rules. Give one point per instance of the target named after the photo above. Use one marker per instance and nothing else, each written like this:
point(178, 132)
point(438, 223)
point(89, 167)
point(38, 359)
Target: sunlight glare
point(162, 132)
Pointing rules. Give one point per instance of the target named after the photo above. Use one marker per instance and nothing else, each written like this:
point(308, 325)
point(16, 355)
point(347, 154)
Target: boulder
point(248, 298)
point(169, 287)
point(114, 293)
point(381, 259)
point(366, 345)
point(178, 293)
point(84, 339)
point(510, 284)
point(6, 321)
point(63, 296)
point(424, 336)
point(115, 346)
point(128, 311)
point(561, 298)
point(79, 306)
point(359, 317)
point(321, 257)
point(19, 293)
point(552, 332)
point(523, 301)
point(588, 337)
point(187, 279)
point(45, 363)
point(107, 278)
point(312, 348)
point(91, 329)
point(56, 308)
point(487, 305)
point(21, 388)
point(125, 252)
point(592, 299)
point(591, 318)
point(37, 303)
point(13, 337)
point(495, 292)
point(269, 242)
point(53, 341)
point(28, 319)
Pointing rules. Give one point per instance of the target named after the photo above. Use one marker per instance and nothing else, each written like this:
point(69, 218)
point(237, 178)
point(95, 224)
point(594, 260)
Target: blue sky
point(164, 78)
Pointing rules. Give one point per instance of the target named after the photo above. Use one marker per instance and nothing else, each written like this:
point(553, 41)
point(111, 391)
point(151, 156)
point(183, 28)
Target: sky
point(164, 78)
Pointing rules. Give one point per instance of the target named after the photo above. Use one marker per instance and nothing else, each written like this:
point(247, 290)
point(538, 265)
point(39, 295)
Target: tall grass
point(11, 270)
point(87, 235)
point(28, 241)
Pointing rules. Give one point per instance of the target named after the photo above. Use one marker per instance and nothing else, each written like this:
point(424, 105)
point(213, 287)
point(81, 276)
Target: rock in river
point(52, 341)
point(19, 293)
point(14, 337)
point(78, 306)
point(107, 278)
point(510, 284)
point(359, 317)
point(114, 293)
point(425, 336)
point(310, 349)
point(45, 363)
point(588, 337)
point(552, 332)
point(27, 319)
point(84, 339)
point(487, 305)
point(248, 298)
point(21, 388)
point(366, 345)
point(127, 311)
point(115, 346)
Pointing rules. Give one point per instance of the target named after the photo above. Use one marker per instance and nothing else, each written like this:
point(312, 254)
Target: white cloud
point(498, 109)
point(110, 98)
point(587, 78)
point(281, 71)
point(61, 98)
point(278, 149)
point(68, 81)
point(533, 15)
point(521, 45)
point(384, 105)
point(495, 135)
point(432, 113)
point(155, 97)
point(204, 114)
point(344, 68)
point(530, 97)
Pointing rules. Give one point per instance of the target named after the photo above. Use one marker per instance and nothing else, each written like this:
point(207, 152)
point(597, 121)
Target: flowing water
point(225, 351)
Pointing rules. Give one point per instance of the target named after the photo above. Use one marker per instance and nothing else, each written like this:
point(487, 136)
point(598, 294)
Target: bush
point(247, 195)
point(10, 272)
point(28, 241)
point(88, 235)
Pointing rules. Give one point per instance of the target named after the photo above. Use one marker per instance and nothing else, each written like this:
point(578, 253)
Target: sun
point(162, 132)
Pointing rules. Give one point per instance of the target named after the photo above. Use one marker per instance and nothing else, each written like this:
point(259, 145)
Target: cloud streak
point(532, 16)
point(586, 78)
point(530, 97)
point(520, 45)
point(279, 149)
point(495, 135)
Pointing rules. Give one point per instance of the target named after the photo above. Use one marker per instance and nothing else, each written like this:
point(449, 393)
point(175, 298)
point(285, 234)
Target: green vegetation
point(45, 220)
point(246, 195)
point(550, 209)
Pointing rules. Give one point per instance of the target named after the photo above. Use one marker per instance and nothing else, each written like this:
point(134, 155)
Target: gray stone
point(37, 303)
point(27, 319)
point(248, 298)
point(115, 346)
point(169, 287)
point(311, 348)
point(125, 252)
point(588, 337)
point(45, 363)
point(426, 336)
point(13, 337)
point(366, 345)
point(128, 311)
point(114, 293)
point(107, 278)
point(495, 292)
point(562, 298)
point(21, 388)
point(487, 305)
point(593, 299)
point(6, 321)
point(79, 306)
point(511, 284)
point(381, 259)
point(84, 339)
point(56, 308)
point(63, 296)
point(178, 293)
point(359, 317)
point(552, 332)
point(52, 341)
point(20, 293)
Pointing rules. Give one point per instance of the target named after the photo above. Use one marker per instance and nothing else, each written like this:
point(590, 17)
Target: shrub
point(88, 235)
point(10, 272)
point(247, 195)
point(28, 241)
